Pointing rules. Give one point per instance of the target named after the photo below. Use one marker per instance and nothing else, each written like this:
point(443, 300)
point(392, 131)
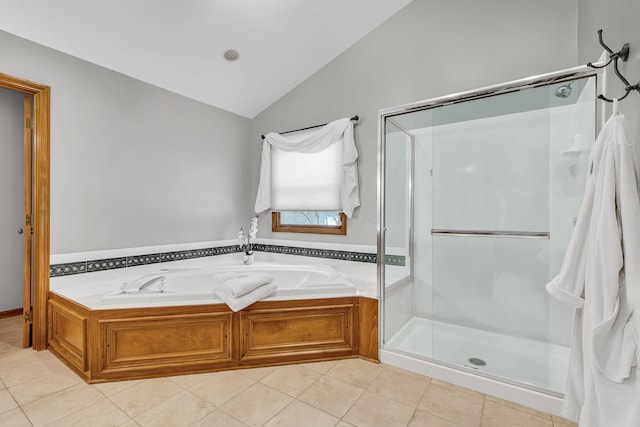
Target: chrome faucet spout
point(151, 282)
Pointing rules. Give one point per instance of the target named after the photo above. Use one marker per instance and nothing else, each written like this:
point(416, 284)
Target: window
point(309, 179)
point(316, 222)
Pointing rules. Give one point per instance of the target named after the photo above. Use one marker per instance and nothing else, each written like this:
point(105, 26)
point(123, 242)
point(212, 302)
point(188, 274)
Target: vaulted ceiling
point(178, 45)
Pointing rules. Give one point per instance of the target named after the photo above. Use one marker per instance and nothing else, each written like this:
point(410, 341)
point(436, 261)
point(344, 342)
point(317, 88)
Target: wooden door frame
point(40, 193)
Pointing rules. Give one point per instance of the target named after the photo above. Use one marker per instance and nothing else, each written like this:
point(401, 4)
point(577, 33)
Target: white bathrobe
point(600, 277)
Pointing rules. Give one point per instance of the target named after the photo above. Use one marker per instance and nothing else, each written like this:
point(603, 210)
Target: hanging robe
point(600, 278)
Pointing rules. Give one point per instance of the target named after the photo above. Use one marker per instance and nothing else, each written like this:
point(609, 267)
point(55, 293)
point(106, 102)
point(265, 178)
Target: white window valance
point(322, 176)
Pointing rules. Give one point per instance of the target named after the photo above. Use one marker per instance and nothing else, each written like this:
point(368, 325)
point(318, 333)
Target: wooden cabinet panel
point(307, 330)
point(165, 340)
point(67, 334)
point(368, 320)
point(122, 344)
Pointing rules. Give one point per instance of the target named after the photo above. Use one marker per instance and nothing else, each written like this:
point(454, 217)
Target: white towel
point(237, 304)
point(238, 284)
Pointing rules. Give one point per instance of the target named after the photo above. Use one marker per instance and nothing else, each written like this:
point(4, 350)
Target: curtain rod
point(354, 118)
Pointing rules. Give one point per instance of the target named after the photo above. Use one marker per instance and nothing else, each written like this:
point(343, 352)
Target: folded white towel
point(238, 284)
point(237, 304)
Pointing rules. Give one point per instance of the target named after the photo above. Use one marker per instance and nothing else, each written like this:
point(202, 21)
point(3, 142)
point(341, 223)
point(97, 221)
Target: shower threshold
point(532, 363)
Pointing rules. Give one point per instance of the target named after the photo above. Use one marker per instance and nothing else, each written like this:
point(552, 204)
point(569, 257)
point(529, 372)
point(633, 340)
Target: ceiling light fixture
point(231, 55)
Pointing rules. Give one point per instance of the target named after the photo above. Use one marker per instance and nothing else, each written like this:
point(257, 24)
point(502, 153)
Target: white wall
point(619, 21)
point(11, 199)
point(428, 49)
point(131, 164)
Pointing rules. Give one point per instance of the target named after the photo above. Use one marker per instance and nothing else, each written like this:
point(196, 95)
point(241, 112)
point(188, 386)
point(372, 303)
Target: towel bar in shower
point(487, 233)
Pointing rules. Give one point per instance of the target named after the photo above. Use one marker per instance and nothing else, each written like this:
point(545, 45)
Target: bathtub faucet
point(151, 282)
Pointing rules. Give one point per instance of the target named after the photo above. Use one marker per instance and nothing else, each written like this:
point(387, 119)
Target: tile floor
point(36, 389)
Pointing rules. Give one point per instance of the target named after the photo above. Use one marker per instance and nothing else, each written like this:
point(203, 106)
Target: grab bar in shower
point(485, 233)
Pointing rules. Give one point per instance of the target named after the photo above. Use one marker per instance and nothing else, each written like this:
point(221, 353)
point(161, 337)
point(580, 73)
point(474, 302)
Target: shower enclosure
point(479, 193)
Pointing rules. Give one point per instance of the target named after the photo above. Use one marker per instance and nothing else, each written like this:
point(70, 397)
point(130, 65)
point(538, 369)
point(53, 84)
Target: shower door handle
point(486, 233)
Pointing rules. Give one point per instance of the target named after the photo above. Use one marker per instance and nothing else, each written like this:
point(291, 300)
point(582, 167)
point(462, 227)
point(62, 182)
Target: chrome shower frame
point(388, 113)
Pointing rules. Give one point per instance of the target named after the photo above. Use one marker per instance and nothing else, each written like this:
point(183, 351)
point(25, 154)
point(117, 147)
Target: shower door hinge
point(28, 316)
point(27, 219)
point(28, 123)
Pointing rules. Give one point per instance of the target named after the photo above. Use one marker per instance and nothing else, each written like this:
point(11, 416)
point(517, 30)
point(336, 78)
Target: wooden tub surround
point(124, 344)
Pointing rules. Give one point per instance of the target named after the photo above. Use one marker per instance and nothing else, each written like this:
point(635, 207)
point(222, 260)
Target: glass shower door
point(398, 232)
point(491, 239)
point(480, 198)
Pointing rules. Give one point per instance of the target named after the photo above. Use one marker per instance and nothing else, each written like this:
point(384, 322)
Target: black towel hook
point(622, 54)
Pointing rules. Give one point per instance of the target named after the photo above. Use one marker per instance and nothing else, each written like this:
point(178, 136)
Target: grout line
point(484, 401)
point(226, 413)
point(215, 407)
point(129, 420)
point(25, 415)
point(66, 414)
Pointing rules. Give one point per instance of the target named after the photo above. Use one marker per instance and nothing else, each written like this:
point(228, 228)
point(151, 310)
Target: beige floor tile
point(14, 418)
point(221, 387)
point(322, 367)
point(26, 372)
point(219, 418)
point(2, 386)
point(181, 410)
point(300, 414)
point(47, 356)
point(188, 381)
point(130, 423)
point(7, 402)
point(292, 379)
point(398, 386)
point(53, 363)
point(372, 410)
point(43, 386)
point(453, 403)
point(405, 372)
point(17, 358)
point(562, 422)
point(456, 388)
point(331, 395)
point(496, 415)
point(518, 407)
point(145, 395)
point(101, 414)
point(357, 372)
point(61, 404)
point(109, 389)
point(256, 405)
point(344, 424)
point(425, 419)
point(257, 374)
point(8, 346)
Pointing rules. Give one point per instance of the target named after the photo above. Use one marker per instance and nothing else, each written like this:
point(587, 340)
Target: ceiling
point(178, 45)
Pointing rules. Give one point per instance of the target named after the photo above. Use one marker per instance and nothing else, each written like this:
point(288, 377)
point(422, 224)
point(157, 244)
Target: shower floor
point(523, 360)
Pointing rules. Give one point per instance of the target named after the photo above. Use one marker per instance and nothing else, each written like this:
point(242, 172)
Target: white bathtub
point(195, 285)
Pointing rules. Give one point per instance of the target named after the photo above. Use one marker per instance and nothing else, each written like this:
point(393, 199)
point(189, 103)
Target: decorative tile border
point(56, 270)
point(106, 264)
point(394, 260)
point(66, 269)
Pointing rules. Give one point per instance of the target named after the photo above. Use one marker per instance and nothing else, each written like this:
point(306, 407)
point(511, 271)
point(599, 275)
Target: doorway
point(13, 193)
point(35, 221)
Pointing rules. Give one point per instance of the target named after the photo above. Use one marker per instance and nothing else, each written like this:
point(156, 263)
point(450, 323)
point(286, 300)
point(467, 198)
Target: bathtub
point(181, 327)
point(195, 285)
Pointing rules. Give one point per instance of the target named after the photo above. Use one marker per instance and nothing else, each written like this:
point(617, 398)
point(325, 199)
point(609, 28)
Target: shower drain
point(476, 362)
